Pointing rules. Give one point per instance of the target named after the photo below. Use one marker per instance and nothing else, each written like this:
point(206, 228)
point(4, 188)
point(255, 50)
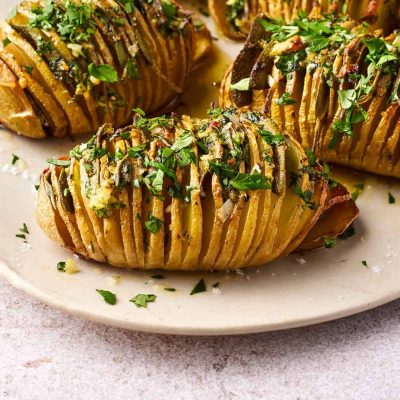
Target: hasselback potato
point(234, 17)
point(68, 66)
point(332, 84)
point(182, 193)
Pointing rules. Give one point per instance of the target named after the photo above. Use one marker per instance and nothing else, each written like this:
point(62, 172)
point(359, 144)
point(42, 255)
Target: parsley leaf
point(15, 158)
point(285, 99)
point(104, 73)
point(254, 181)
point(59, 163)
point(61, 266)
point(109, 297)
point(329, 243)
point(141, 300)
point(153, 224)
point(391, 198)
point(199, 288)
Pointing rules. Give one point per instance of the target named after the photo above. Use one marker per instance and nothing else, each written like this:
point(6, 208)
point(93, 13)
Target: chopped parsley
point(61, 266)
point(199, 288)
point(359, 187)
point(391, 198)
point(23, 232)
point(14, 160)
point(329, 243)
point(170, 289)
point(364, 263)
point(59, 163)
point(109, 297)
point(104, 73)
point(141, 300)
point(6, 42)
point(72, 21)
point(243, 182)
point(153, 224)
point(285, 100)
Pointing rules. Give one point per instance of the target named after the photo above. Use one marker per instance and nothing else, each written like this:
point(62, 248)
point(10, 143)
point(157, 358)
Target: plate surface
point(295, 291)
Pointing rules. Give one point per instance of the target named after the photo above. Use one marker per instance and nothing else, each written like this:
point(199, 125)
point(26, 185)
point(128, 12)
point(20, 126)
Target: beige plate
point(293, 292)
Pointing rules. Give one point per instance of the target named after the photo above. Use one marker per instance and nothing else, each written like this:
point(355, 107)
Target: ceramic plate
point(296, 291)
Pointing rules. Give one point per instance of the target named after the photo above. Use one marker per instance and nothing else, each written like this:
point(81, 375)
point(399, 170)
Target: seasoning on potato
point(221, 193)
point(331, 83)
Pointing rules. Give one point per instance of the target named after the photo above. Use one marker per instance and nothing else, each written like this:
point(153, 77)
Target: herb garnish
point(359, 187)
point(59, 163)
point(170, 289)
point(15, 158)
point(141, 300)
point(61, 266)
point(104, 73)
point(23, 232)
point(6, 42)
point(109, 297)
point(199, 288)
point(285, 99)
point(391, 198)
point(153, 224)
point(364, 263)
point(329, 243)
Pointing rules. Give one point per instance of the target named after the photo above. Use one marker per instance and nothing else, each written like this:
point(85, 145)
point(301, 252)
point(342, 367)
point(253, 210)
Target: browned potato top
point(182, 193)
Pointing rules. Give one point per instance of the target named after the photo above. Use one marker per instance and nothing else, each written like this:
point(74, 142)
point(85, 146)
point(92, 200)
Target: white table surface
point(46, 355)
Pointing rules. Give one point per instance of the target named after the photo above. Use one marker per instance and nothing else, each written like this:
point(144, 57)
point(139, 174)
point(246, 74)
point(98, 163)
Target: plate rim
point(18, 282)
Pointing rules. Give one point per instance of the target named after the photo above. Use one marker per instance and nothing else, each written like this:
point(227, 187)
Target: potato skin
point(186, 194)
point(235, 20)
point(317, 113)
point(48, 76)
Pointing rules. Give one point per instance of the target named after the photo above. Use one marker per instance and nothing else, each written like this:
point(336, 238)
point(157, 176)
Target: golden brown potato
point(234, 17)
point(180, 193)
point(334, 90)
point(67, 67)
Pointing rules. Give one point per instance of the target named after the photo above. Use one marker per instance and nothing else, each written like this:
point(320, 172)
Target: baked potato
point(332, 84)
point(191, 194)
point(234, 17)
point(69, 66)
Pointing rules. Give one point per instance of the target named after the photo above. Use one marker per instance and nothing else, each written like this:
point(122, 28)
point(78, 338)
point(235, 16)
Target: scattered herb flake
point(6, 42)
point(364, 263)
point(141, 300)
point(215, 285)
point(61, 266)
point(153, 224)
point(199, 288)
point(359, 187)
point(170, 289)
point(15, 158)
point(59, 163)
point(103, 72)
point(391, 198)
point(109, 297)
point(329, 242)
